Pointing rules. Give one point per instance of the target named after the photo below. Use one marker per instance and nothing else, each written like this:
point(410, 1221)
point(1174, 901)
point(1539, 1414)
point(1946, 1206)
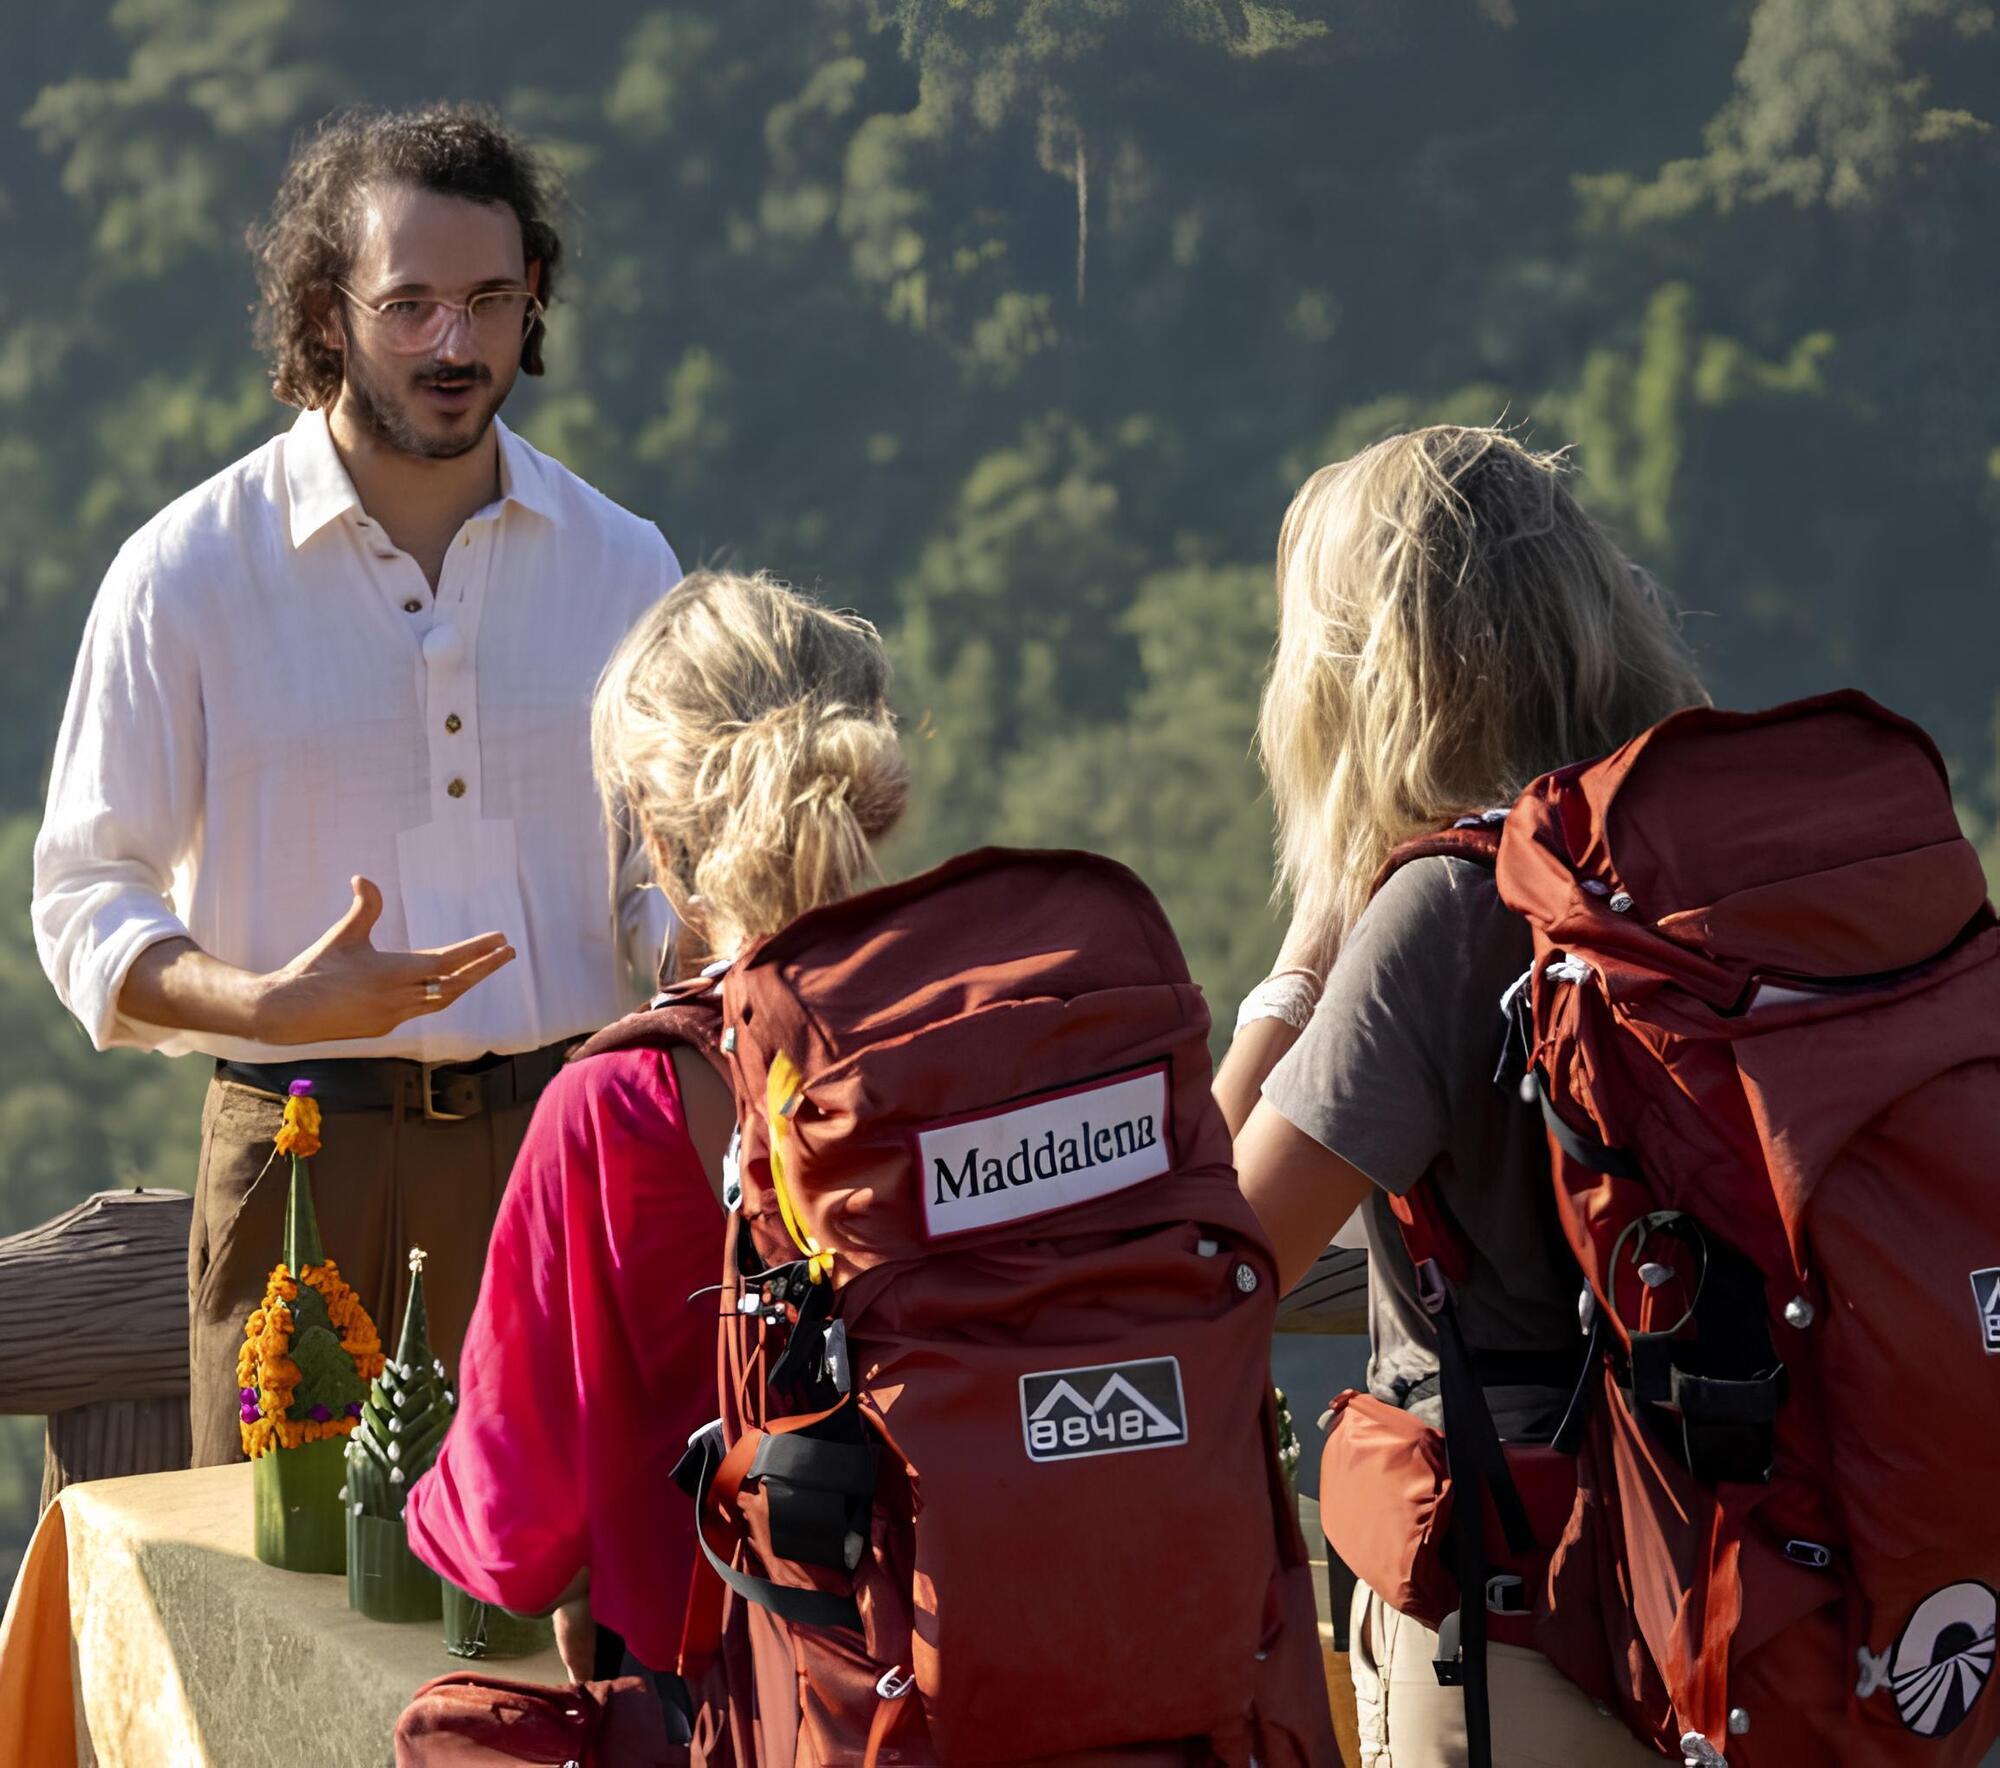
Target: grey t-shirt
point(1395, 1074)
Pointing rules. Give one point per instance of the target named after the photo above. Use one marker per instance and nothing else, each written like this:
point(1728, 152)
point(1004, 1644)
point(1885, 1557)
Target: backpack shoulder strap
point(1479, 1470)
point(688, 1015)
point(1429, 1234)
point(684, 1019)
point(1474, 838)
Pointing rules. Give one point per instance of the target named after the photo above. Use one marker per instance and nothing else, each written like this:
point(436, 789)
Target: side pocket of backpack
point(1385, 1504)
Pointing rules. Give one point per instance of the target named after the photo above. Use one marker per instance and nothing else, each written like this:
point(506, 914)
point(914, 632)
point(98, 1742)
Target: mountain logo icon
point(1104, 1409)
point(1986, 1297)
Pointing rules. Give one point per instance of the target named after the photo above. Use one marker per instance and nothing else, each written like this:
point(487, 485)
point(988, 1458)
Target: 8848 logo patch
point(1986, 1298)
point(1103, 1409)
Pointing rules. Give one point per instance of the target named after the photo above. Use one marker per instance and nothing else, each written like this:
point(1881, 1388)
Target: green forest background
point(1014, 322)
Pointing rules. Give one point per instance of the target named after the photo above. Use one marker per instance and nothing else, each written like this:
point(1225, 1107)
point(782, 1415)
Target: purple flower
point(250, 1412)
point(248, 1396)
point(354, 1408)
point(320, 1415)
point(300, 1088)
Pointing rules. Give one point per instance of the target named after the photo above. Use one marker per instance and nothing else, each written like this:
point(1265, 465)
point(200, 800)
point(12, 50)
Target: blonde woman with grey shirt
point(1451, 624)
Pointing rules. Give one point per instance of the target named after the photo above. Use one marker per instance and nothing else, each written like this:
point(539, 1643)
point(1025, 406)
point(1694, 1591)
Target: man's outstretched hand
point(340, 987)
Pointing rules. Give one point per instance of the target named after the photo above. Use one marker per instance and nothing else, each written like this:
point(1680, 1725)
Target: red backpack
point(996, 1478)
point(1763, 1025)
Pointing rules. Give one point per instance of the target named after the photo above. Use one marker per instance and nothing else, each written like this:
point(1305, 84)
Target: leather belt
point(444, 1092)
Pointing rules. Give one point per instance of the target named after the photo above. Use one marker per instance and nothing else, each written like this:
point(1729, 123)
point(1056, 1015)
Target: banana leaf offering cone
point(309, 1351)
point(401, 1427)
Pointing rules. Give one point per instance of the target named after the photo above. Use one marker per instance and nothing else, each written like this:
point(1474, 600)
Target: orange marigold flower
point(263, 1361)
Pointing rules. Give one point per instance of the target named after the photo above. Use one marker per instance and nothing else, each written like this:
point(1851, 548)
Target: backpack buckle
point(896, 1682)
point(1506, 1595)
point(1874, 1672)
point(1449, 1663)
point(835, 1354)
point(705, 1448)
point(1431, 1289)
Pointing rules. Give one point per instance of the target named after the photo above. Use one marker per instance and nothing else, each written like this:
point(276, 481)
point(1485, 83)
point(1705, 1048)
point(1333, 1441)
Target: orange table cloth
point(143, 1631)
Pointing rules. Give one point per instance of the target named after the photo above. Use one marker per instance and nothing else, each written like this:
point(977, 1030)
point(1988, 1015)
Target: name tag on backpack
point(1043, 1154)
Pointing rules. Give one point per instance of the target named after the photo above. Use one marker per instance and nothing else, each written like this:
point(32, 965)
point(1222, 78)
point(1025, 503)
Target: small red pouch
point(1385, 1504)
point(466, 1720)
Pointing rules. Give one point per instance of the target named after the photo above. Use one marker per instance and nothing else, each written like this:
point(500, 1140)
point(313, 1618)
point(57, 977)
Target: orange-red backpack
point(1763, 1026)
point(996, 1476)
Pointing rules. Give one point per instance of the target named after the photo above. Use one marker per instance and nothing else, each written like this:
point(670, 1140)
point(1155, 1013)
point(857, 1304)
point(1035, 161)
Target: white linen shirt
point(270, 700)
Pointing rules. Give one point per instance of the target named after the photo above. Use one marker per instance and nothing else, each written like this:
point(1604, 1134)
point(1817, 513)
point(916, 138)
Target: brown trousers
point(383, 1181)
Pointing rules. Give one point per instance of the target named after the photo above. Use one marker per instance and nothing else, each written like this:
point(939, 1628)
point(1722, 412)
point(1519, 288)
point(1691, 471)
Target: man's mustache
point(475, 372)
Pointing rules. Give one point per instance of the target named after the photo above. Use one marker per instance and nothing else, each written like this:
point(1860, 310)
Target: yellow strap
point(784, 1086)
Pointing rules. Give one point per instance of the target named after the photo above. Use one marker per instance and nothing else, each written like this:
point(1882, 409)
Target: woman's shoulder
point(1441, 896)
point(1435, 941)
point(619, 1075)
point(612, 1097)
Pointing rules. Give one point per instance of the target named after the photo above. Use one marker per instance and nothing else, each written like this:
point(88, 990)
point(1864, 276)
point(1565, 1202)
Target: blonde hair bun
point(745, 732)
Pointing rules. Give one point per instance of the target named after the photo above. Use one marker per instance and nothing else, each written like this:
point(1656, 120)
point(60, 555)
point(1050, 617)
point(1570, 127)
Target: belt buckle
point(426, 1072)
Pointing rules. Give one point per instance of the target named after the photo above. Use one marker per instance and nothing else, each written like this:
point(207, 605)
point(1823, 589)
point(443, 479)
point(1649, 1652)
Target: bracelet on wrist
point(1290, 996)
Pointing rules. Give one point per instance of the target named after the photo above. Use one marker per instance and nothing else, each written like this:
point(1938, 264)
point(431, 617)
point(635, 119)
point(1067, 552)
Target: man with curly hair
point(322, 804)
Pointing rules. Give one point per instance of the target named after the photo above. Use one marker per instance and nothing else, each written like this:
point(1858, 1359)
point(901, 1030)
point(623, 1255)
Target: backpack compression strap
point(825, 1474)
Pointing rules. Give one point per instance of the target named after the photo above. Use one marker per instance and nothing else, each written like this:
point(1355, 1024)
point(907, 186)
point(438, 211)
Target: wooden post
point(93, 1335)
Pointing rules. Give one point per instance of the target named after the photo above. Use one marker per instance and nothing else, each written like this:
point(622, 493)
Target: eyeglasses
point(411, 326)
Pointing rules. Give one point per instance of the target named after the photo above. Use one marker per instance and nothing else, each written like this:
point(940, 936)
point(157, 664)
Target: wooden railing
point(93, 1335)
point(1331, 1297)
point(93, 1331)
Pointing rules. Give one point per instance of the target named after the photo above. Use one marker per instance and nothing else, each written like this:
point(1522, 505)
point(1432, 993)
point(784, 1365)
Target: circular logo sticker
point(1944, 1657)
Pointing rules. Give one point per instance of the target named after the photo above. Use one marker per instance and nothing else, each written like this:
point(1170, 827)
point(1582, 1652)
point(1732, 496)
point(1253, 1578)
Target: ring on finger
point(433, 988)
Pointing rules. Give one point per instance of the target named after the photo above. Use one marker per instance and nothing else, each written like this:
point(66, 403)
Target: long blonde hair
point(745, 733)
point(1451, 624)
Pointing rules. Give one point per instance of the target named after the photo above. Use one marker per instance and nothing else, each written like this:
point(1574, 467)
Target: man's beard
point(390, 421)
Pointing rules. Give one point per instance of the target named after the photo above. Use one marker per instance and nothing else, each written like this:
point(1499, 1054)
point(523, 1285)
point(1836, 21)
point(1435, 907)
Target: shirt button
point(465, 540)
point(413, 607)
point(456, 788)
point(452, 723)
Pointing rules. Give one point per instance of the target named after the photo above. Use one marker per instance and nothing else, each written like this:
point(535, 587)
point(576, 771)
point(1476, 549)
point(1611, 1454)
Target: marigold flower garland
point(266, 1376)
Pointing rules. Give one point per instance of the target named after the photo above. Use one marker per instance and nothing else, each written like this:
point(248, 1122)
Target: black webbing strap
point(1340, 1582)
point(816, 1464)
point(1550, 1369)
point(1727, 1425)
point(1569, 1434)
point(1478, 1468)
point(818, 1493)
point(803, 1608)
point(1586, 1151)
